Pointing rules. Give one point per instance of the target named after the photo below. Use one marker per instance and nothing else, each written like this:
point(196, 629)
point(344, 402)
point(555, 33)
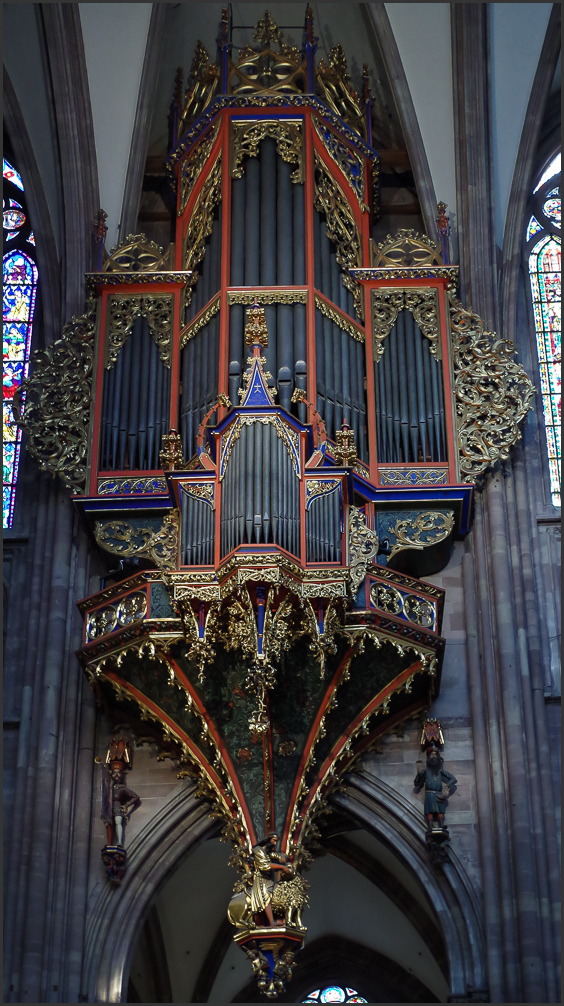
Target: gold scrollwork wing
point(341, 227)
point(247, 135)
point(58, 401)
point(363, 547)
point(425, 530)
point(423, 304)
point(123, 312)
point(191, 168)
point(349, 162)
point(201, 223)
point(493, 392)
point(121, 538)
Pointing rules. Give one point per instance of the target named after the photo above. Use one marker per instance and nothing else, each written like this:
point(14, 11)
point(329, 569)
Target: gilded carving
point(417, 609)
point(192, 167)
point(426, 529)
point(279, 296)
point(345, 449)
point(423, 304)
point(336, 89)
point(320, 487)
point(201, 223)
point(123, 312)
point(137, 254)
point(341, 227)
point(347, 160)
point(123, 539)
point(58, 401)
point(413, 476)
point(200, 322)
point(407, 248)
point(493, 392)
point(203, 84)
point(130, 487)
point(363, 547)
point(203, 491)
point(287, 435)
point(344, 323)
point(247, 134)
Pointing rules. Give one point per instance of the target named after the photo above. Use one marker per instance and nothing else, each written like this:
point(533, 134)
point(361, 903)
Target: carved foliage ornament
point(121, 538)
point(201, 223)
point(191, 167)
point(122, 314)
point(247, 135)
point(349, 162)
point(493, 392)
point(426, 529)
point(344, 323)
point(424, 306)
point(57, 401)
point(341, 227)
point(200, 321)
point(363, 547)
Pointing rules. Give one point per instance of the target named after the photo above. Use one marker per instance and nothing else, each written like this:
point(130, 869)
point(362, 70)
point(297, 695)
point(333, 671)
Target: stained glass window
point(20, 289)
point(334, 994)
point(544, 260)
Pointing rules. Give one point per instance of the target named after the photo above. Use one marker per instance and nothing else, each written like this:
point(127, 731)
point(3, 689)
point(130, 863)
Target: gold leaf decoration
point(123, 539)
point(58, 400)
point(341, 227)
point(246, 137)
point(201, 224)
point(122, 314)
point(493, 392)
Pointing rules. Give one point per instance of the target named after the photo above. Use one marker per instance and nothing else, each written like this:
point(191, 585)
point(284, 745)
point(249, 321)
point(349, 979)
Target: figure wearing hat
point(439, 784)
point(118, 800)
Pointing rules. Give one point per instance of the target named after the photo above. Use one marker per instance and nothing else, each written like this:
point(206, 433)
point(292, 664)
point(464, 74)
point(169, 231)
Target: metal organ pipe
point(410, 412)
point(135, 408)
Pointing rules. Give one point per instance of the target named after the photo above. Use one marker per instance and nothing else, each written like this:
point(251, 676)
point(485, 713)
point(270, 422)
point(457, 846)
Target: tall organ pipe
point(199, 365)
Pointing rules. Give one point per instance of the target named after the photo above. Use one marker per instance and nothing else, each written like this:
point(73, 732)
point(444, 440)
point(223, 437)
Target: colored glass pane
point(20, 285)
point(553, 169)
point(533, 228)
point(13, 220)
point(545, 275)
point(334, 994)
point(551, 209)
point(11, 175)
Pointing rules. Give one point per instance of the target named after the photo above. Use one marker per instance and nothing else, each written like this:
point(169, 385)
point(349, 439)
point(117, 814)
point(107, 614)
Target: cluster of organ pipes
point(323, 528)
point(260, 492)
point(410, 414)
point(136, 404)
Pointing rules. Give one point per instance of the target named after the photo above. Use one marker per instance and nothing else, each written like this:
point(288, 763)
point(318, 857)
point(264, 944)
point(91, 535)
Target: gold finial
point(267, 30)
point(431, 733)
point(345, 451)
point(255, 329)
point(171, 456)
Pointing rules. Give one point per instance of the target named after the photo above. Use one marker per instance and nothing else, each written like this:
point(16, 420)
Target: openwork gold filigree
point(335, 88)
point(201, 224)
point(363, 547)
point(130, 487)
point(417, 609)
point(264, 69)
point(137, 254)
point(341, 227)
point(279, 296)
point(200, 322)
point(320, 487)
point(286, 434)
point(493, 392)
point(345, 450)
point(344, 323)
point(203, 491)
point(413, 476)
point(122, 314)
point(427, 529)
point(349, 162)
point(203, 84)
point(246, 136)
point(424, 306)
point(121, 538)
point(256, 331)
point(58, 401)
point(407, 248)
point(191, 168)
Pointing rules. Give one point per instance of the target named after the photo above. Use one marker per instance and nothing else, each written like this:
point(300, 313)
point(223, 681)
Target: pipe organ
point(275, 426)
